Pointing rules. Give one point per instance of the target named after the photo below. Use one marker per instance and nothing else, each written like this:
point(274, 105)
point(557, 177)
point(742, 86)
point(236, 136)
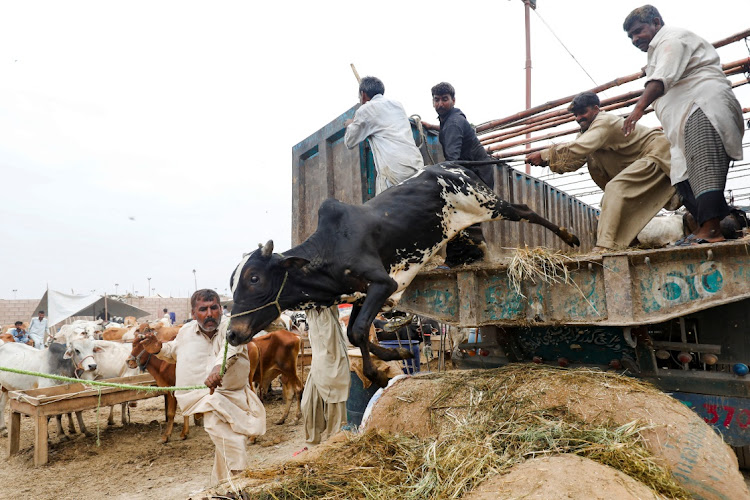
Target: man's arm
point(358, 129)
point(654, 89)
point(214, 378)
point(573, 155)
point(452, 142)
point(162, 350)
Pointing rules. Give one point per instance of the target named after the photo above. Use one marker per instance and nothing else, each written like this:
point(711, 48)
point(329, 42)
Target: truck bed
point(630, 288)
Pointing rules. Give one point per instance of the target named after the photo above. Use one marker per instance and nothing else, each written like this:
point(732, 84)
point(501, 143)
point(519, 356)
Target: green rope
point(145, 388)
point(224, 362)
point(98, 405)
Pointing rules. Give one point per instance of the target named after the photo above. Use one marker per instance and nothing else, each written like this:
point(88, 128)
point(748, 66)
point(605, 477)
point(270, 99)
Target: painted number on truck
point(726, 414)
point(730, 417)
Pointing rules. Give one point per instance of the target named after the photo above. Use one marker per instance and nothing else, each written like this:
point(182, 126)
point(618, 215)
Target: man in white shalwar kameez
point(383, 122)
point(231, 411)
point(701, 116)
point(327, 385)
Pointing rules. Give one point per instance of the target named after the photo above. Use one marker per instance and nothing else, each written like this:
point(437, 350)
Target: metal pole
point(527, 10)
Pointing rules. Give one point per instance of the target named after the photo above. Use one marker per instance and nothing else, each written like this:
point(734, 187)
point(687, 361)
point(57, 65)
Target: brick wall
point(17, 310)
point(23, 309)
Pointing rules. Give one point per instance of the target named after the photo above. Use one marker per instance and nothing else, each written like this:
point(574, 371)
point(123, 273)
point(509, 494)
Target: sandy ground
point(131, 462)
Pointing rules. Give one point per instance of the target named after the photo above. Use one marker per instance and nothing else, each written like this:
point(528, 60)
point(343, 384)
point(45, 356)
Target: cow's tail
point(517, 212)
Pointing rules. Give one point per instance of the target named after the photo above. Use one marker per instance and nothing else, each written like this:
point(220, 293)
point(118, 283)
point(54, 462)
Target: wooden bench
point(40, 404)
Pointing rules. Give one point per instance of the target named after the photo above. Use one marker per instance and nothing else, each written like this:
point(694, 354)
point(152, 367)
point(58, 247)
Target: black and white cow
point(368, 254)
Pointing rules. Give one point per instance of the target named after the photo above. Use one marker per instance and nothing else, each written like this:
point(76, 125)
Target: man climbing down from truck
point(383, 122)
point(460, 142)
point(632, 171)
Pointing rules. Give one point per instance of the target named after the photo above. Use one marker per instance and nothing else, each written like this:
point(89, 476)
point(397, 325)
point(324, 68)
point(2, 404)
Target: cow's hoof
point(89, 434)
point(183, 437)
point(4, 432)
point(164, 439)
point(405, 353)
point(63, 438)
point(280, 421)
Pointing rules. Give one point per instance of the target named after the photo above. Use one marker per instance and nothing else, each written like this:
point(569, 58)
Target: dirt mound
point(563, 476)
point(431, 405)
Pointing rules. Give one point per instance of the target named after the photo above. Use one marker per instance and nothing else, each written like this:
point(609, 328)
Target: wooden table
point(40, 404)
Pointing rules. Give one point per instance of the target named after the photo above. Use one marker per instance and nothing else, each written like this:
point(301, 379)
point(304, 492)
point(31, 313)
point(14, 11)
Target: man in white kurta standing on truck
point(232, 412)
point(383, 122)
point(701, 116)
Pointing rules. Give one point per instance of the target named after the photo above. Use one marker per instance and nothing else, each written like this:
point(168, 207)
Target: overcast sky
point(147, 139)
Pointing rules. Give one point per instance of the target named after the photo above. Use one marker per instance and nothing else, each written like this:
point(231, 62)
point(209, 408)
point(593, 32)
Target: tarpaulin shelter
point(60, 306)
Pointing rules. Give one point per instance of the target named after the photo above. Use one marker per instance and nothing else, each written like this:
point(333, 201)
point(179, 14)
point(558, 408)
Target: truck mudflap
point(729, 416)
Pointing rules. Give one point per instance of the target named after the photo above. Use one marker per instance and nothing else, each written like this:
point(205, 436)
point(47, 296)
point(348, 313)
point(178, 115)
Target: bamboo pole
point(492, 125)
point(551, 120)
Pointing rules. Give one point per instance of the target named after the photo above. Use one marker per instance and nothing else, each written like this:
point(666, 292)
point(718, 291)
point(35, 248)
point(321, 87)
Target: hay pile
point(442, 435)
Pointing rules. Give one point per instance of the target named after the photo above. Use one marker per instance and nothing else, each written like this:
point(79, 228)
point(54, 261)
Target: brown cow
point(164, 374)
point(119, 334)
point(277, 355)
point(162, 332)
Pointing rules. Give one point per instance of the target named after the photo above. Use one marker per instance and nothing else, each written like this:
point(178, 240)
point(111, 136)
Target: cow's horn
point(267, 250)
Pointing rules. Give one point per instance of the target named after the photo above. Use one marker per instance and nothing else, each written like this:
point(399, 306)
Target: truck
point(678, 317)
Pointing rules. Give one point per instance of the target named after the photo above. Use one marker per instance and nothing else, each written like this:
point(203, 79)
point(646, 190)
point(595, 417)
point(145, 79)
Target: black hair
point(40, 312)
point(371, 86)
point(645, 14)
point(205, 295)
point(443, 88)
point(18, 323)
point(583, 101)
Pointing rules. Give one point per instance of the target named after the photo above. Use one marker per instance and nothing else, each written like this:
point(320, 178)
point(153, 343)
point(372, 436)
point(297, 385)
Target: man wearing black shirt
point(460, 142)
point(457, 137)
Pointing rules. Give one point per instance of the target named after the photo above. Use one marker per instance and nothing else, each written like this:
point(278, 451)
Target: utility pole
point(528, 5)
point(149, 286)
point(195, 280)
point(116, 285)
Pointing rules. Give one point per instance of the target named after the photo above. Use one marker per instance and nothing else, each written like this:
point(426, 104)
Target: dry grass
point(498, 431)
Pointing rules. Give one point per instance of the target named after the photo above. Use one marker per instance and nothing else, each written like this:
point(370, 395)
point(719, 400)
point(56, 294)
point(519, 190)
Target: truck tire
point(743, 456)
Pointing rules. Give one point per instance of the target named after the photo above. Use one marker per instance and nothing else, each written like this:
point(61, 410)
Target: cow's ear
point(68, 352)
point(267, 249)
point(294, 263)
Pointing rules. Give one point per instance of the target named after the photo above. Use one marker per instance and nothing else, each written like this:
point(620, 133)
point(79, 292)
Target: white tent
point(60, 306)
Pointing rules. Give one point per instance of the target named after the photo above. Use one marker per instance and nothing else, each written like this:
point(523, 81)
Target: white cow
point(79, 329)
point(76, 359)
point(661, 231)
point(111, 362)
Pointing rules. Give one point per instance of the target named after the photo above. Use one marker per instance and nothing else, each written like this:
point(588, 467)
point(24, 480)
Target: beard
point(210, 325)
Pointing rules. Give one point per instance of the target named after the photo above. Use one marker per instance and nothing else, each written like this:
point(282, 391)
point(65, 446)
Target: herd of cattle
point(87, 351)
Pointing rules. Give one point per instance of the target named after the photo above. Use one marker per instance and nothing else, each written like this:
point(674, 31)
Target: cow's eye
point(254, 279)
point(78, 352)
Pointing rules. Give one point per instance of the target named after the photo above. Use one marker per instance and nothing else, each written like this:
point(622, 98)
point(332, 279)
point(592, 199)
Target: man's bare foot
point(598, 249)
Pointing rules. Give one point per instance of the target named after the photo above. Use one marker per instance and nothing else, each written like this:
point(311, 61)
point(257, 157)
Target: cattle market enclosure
point(323, 167)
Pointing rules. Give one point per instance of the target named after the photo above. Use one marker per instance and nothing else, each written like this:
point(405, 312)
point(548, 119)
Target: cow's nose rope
point(274, 303)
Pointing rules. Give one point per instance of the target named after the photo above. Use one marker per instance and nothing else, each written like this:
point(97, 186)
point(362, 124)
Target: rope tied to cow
point(144, 388)
point(274, 303)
